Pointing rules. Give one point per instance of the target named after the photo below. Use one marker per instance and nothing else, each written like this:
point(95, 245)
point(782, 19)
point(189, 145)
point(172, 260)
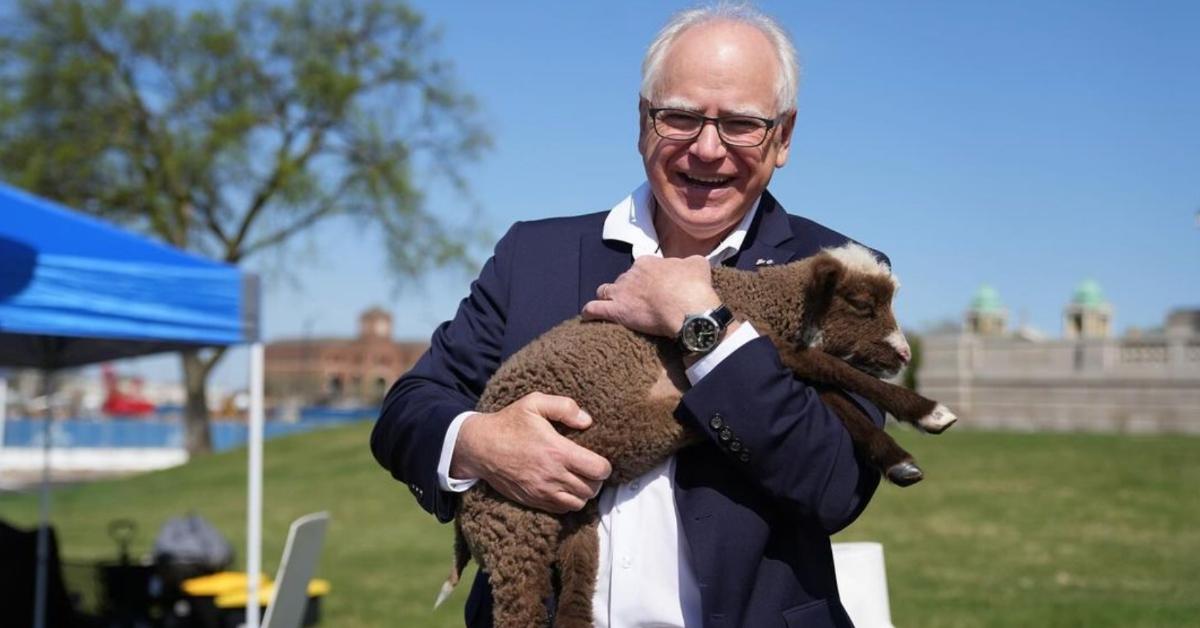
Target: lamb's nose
point(900, 344)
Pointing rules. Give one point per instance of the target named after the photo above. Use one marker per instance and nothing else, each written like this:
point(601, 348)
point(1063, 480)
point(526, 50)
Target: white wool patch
point(858, 258)
point(899, 343)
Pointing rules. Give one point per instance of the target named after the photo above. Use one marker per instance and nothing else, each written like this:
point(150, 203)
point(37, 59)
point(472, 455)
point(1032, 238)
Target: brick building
point(340, 370)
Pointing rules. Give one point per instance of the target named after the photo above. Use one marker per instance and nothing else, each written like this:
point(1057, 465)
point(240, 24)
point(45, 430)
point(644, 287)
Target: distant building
point(340, 370)
point(987, 316)
point(1088, 315)
point(1088, 380)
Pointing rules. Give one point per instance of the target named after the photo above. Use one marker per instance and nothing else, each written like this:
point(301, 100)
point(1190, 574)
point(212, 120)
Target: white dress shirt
point(644, 578)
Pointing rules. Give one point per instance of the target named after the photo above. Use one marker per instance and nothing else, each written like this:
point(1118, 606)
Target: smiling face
point(704, 187)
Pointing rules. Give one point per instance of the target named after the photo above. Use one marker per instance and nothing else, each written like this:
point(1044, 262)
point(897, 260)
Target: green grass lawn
point(1007, 529)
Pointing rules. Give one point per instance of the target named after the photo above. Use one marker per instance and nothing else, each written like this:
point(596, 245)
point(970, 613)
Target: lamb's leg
point(883, 452)
point(518, 591)
point(578, 555)
point(521, 584)
point(517, 547)
point(901, 402)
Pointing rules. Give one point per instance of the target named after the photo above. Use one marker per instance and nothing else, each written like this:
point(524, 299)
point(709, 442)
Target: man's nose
point(708, 145)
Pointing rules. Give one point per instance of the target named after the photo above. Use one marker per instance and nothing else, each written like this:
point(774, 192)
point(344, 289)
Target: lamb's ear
point(827, 272)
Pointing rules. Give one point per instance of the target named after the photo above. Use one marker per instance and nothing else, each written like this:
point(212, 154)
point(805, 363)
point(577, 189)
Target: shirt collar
point(632, 221)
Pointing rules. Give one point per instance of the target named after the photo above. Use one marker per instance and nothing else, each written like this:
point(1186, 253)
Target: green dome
point(986, 301)
point(1088, 294)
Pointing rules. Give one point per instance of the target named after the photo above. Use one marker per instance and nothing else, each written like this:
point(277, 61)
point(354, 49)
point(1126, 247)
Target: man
point(732, 532)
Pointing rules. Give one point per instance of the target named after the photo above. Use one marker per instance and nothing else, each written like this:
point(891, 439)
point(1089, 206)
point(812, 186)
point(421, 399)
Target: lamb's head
point(848, 310)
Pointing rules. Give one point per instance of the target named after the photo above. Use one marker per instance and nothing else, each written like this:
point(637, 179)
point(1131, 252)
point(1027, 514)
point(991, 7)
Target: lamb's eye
point(860, 306)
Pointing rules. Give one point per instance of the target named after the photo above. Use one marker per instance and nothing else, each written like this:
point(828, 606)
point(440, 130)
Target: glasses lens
point(742, 131)
point(677, 125)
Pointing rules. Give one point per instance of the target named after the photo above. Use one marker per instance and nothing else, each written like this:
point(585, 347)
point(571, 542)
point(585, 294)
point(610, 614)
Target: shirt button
point(626, 562)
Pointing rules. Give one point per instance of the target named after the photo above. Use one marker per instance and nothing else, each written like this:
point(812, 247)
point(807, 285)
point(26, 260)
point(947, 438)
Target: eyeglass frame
point(770, 123)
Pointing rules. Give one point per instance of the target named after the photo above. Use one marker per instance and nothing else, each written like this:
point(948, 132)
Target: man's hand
point(518, 453)
point(655, 295)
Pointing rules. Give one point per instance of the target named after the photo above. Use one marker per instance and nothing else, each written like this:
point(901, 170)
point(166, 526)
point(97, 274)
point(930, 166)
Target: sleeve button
point(725, 435)
point(735, 446)
point(716, 422)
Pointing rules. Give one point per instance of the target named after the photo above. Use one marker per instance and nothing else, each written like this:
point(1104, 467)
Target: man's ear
point(784, 135)
point(643, 120)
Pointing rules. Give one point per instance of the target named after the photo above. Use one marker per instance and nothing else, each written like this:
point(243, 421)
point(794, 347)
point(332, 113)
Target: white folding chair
point(300, 555)
point(862, 583)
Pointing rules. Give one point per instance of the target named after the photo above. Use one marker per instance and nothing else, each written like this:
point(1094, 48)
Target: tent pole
point(43, 538)
point(254, 505)
point(3, 406)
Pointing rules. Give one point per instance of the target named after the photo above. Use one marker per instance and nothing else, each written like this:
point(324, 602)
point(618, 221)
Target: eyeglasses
point(683, 125)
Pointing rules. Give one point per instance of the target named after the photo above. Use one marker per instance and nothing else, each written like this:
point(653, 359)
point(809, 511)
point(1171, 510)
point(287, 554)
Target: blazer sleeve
point(780, 434)
point(447, 381)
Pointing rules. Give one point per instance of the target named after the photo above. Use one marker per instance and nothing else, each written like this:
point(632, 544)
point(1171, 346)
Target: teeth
point(711, 180)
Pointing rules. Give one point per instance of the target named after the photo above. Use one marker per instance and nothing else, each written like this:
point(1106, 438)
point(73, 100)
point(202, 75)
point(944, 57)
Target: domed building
point(986, 315)
point(1087, 380)
point(1088, 315)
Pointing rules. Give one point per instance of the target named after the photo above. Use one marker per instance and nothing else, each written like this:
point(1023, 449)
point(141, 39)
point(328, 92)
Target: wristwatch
point(701, 332)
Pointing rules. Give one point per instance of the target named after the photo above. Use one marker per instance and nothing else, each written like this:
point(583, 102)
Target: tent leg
point(3, 407)
point(43, 538)
point(254, 499)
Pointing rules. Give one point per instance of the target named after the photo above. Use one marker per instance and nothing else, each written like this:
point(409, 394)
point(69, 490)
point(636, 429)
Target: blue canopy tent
point(75, 290)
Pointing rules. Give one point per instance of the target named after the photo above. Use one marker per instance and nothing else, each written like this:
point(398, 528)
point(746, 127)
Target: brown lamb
point(830, 318)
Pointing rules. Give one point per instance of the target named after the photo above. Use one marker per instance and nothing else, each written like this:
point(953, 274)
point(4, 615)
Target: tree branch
point(278, 237)
point(271, 185)
point(143, 118)
point(207, 364)
point(210, 220)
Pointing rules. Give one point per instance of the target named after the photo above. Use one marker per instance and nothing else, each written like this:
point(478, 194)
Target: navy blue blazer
point(758, 530)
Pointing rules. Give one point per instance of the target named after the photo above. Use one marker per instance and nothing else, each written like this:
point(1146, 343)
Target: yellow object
point(220, 583)
point(237, 599)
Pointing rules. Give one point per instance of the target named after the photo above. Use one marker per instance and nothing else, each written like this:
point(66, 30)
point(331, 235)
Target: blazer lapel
point(600, 261)
point(769, 229)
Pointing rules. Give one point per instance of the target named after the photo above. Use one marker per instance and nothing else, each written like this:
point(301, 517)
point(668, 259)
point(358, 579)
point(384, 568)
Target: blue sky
point(1028, 145)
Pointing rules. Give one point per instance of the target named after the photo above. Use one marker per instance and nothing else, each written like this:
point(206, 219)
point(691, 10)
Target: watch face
point(700, 334)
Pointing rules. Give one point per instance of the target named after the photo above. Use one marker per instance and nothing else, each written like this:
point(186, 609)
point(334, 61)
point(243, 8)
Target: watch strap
point(722, 314)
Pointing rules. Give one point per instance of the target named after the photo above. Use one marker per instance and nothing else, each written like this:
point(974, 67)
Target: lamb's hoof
point(937, 421)
point(905, 473)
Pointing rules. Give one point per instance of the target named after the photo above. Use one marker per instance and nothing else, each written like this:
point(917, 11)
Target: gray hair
point(786, 85)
